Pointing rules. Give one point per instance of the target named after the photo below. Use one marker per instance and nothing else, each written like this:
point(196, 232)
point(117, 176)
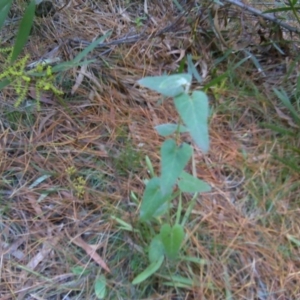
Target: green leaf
point(64, 66)
point(196, 260)
point(150, 166)
point(125, 226)
point(150, 270)
point(294, 240)
point(76, 61)
point(177, 279)
point(4, 83)
point(181, 66)
point(280, 9)
point(161, 210)
point(192, 70)
point(156, 249)
point(279, 129)
point(91, 47)
point(194, 112)
point(3, 3)
point(189, 184)
point(168, 129)
point(172, 238)
point(78, 270)
point(39, 180)
point(153, 199)
point(100, 287)
point(4, 10)
point(173, 160)
point(167, 85)
point(24, 30)
point(220, 78)
point(289, 162)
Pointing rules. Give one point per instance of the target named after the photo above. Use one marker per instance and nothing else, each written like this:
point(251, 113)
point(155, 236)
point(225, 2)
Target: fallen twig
point(259, 13)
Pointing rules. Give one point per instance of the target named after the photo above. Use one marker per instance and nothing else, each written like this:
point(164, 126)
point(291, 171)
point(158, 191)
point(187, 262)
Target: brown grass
point(104, 130)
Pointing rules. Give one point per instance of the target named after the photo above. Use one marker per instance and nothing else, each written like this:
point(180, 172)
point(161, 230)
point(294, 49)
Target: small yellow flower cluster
point(78, 182)
point(16, 74)
point(20, 79)
point(71, 170)
point(45, 83)
point(79, 186)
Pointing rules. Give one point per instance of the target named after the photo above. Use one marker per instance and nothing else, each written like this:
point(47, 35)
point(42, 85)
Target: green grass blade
point(90, 48)
point(192, 69)
point(280, 9)
point(3, 3)
point(4, 9)
point(218, 79)
point(24, 30)
point(294, 240)
point(279, 129)
point(290, 163)
point(287, 103)
point(77, 60)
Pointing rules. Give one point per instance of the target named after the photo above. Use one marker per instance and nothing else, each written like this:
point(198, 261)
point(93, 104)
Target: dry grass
point(51, 230)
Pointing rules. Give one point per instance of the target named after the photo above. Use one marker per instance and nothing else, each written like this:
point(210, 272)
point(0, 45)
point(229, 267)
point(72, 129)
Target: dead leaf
point(79, 79)
point(181, 53)
point(39, 257)
point(286, 118)
point(90, 250)
point(44, 97)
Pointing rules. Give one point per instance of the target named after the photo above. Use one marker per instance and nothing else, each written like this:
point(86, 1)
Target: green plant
point(286, 6)
point(156, 206)
point(292, 161)
point(139, 21)
point(20, 79)
point(24, 27)
point(14, 71)
point(78, 182)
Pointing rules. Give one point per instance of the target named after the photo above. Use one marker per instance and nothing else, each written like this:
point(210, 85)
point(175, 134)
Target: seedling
point(156, 204)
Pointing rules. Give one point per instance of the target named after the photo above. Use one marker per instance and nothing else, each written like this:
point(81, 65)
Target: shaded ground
point(68, 169)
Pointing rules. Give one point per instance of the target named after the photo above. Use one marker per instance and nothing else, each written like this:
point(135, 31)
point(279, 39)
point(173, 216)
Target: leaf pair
point(193, 109)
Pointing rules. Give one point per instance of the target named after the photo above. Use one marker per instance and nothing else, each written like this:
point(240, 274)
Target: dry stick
point(259, 13)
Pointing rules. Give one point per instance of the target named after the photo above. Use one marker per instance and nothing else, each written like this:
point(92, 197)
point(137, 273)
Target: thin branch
point(259, 13)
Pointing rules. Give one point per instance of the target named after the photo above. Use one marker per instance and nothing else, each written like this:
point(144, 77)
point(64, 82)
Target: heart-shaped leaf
point(167, 85)
point(153, 199)
point(172, 238)
point(194, 112)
